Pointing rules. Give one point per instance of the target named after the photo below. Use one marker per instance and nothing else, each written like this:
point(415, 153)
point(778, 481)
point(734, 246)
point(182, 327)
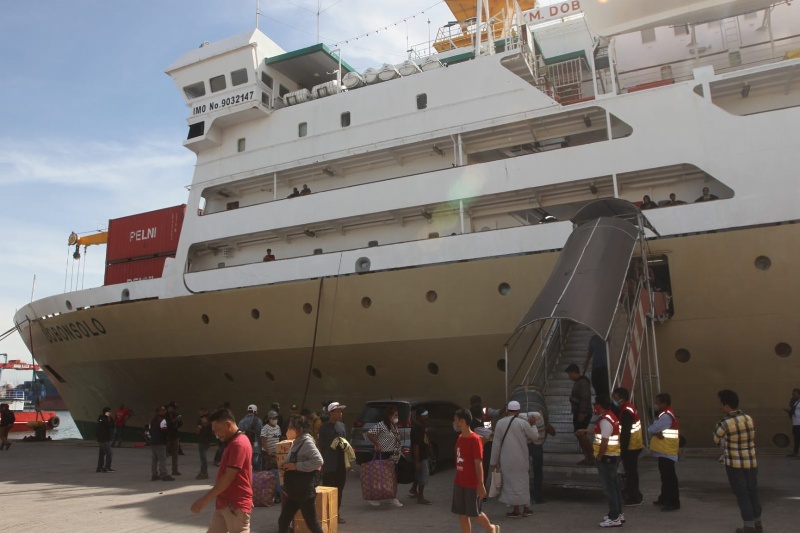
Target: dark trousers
point(173, 445)
point(308, 508)
point(487, 457)
point(202, 448)
point(796, 433)
point(744, 482)
point(536, 451)
point(669, 482)
point(336, 479)
point(104, 456)
point(600, 380)
point(630, 462)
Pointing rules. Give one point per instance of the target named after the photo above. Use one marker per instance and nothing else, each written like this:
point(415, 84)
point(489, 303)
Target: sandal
point(526, 513)
point(514, 515)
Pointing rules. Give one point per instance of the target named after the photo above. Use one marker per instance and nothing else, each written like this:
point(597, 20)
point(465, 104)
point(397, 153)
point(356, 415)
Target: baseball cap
point(272, 414)
point(252, 407)
point(513, 405)
point(334, 406)
point(424, 412)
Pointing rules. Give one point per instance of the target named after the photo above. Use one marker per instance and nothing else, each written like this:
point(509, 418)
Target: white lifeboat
point(326, 89)
point(431, 64)
point(408, 68)
point(298, 97)
point(353, 80)
point(388, 72)
point(371, 76)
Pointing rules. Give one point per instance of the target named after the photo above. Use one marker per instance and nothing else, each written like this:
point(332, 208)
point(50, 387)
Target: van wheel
point(433, 460)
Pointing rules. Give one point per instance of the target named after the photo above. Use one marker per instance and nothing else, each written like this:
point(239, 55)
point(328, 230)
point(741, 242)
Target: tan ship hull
point(729, 315)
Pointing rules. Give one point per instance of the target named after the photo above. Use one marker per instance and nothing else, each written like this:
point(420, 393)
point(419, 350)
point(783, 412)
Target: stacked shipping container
point(138, 245)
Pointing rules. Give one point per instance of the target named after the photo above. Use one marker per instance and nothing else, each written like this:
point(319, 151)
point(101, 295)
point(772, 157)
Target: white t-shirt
point(606, 428)
point(796, 416)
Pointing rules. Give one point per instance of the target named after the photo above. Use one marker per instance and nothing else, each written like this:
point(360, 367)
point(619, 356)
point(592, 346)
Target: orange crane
point(101, 237)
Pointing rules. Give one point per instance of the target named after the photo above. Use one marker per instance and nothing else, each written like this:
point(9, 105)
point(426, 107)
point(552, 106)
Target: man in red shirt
point(232, 488)
point(468, 491)
point(121, 417)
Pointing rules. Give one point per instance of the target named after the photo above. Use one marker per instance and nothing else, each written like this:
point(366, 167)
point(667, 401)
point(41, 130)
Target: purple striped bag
point(378, 480)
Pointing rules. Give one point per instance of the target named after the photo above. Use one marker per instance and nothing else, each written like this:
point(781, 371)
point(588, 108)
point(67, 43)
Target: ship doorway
point(660, 280)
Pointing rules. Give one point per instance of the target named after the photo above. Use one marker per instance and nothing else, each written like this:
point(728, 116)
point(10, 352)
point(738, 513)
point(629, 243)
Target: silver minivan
point(440, 428)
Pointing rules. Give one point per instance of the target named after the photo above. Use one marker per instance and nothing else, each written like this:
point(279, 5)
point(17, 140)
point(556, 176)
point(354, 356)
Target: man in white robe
point(510, 455)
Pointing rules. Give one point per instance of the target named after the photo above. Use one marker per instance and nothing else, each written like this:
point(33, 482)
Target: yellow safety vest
point(669, 445)
point(613, 441)
point(637, 442)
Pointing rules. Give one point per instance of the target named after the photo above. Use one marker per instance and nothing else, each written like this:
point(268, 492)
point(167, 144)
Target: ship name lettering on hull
point(71, 331)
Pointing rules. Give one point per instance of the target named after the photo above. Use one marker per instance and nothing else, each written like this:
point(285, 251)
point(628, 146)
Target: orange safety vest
point(636, 442)
point(669, 445)
point(613, 441)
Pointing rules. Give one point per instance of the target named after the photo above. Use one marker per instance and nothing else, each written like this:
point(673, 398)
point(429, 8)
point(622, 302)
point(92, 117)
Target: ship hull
point(310, 341)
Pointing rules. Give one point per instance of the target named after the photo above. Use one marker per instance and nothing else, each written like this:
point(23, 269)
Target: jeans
point(610, 480)
point(536, 452)
point(308, 508)
point(744, 482)
point(117, 438)
point(105, 454)
point(630, 462)
point(256, 456)
point(202, 447)
point(670, 494)
point(158, 465)
point(600, 380)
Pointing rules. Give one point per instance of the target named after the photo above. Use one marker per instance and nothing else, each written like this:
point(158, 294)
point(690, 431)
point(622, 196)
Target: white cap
point(252, 407)
point(334, 406)
point(513, 405)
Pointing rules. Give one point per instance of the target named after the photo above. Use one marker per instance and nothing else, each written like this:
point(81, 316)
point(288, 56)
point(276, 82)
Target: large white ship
point(440, 195)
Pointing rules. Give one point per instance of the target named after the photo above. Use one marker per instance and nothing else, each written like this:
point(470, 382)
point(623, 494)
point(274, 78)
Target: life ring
point(54, 422)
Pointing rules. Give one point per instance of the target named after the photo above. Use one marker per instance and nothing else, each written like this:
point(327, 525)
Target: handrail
point(617, 377)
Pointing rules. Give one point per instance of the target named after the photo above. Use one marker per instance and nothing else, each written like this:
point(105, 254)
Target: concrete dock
point(53, 486)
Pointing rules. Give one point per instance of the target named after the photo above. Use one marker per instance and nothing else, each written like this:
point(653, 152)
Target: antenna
point(258, 12)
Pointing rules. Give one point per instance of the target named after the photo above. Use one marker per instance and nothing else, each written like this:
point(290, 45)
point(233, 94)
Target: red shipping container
point(134, 270)
point(145, 235)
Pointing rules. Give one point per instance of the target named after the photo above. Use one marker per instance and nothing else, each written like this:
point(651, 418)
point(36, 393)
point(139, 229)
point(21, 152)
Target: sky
point(91, 127)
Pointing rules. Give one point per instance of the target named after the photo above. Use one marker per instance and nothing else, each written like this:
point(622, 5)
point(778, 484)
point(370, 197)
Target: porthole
point(682, 355)
point(763, 262)
point(783, 349)
point(422, 101)
point(69, 305)
point(504, 289)
point(126, 295)
point(345, 119)
point(270, 375)
point(433, 368)
point(366, 302)
point(431, 296)
point(501, 365)
point(302, 129)
point(255, 313)
point(307, 309)
point(205, 319)
point(228, 377)
point(371, 371)
point(316, 373)
point(781, 440)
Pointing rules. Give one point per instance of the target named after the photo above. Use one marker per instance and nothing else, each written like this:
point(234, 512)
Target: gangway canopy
point(611, 207)
point(589, 275)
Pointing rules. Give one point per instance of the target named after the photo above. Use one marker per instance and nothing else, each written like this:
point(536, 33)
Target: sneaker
point(167, 478)
point(374, 504)
point(607, 522)
point(109, 470)
point(632, 503)
point(621, 517)
point(395, 503)
point(201, 476)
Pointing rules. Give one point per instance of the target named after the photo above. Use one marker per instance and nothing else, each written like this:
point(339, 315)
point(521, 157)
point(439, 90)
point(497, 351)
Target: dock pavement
point(53, 486)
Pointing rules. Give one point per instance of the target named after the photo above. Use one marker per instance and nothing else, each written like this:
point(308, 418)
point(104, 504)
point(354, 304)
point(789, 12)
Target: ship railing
point(723, 62)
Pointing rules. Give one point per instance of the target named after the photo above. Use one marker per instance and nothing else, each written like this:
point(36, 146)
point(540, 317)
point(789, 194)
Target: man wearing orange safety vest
point(664, 445)
point(606, 455)
point(631, 444)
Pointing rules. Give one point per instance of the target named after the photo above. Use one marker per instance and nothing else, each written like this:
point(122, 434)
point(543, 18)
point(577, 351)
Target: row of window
point(344, 119)
point(216, 84)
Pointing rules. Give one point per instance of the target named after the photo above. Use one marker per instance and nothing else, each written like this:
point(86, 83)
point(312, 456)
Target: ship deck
point(53, 487)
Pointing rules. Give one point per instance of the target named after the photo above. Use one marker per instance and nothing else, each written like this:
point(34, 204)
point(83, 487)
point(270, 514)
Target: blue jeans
point(610, 480)
point(203, 449)
point(104, 456)
point(117, 438)
point(536, 452)
point(744, 482)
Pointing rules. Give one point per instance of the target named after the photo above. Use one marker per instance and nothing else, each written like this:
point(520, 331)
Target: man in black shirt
point(7, 420)
point(334, 470)
point(174, 422)
point(104, 428)
point(420, 446)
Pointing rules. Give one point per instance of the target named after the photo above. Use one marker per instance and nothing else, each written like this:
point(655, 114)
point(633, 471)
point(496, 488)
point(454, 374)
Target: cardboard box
point(281, 458)
point(283, 446)
point(327, 512)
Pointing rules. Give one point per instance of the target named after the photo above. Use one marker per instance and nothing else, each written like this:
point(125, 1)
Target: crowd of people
point(494, 451)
